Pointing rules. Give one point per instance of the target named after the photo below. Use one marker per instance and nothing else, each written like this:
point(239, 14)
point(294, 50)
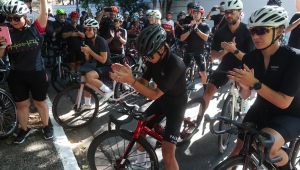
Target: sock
point(105, 89)
point(287, 166)
point(87, 101)
point(141, 158)
point(204, 86)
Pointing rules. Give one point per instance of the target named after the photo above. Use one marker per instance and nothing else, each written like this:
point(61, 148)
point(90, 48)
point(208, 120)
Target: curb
point(61, 143)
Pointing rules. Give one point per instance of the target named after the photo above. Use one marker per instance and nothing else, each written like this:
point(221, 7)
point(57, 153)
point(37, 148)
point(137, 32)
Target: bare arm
point(141, 86)
point(109, 40)
point(67, 34)
point(101, 58)
point(292, 26)
point(43, 15)
point(217, 55)
point(81, 34)
point(208, 15)
point(99, 17)
point(202, 35)
point(122, 41)
point(184, 36)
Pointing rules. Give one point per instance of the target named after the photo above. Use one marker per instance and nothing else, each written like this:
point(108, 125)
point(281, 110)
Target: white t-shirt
point(168, 25)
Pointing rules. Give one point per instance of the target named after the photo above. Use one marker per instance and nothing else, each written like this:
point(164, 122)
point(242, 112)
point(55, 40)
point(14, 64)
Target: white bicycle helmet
point(126, 13)
point(15, 7)
point(91, 23)
point(119, 17)
point(136, 14)
point(233, 4)
point(155, 13)
point(272, 16)
point(149, 11)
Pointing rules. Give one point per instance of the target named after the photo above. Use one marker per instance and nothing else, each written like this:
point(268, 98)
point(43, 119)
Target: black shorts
point(103, 72)
point(200, 60)
point(74, 56)
point(20, 83)
point(219, 77)
point(287, 126)
point(174, 114)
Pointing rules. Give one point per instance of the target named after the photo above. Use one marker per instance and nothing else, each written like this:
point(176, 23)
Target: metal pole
point(77, 9)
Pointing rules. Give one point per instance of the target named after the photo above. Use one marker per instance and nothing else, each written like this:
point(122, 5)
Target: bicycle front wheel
point(296, 154)
point(61, 77)
point(236, 163)
point(68, 114)
point(192, 121)
point(107, 150)
point(189, 76)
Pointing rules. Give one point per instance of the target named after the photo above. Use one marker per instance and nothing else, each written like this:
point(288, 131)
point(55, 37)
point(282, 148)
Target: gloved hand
point(214, 8)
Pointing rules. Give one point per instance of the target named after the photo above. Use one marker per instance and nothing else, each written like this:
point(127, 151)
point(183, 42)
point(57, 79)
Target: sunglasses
point(88, 29)
point(260, 30)
point(152, 17)
point(16, 19)
point(231, 12)
point(117, 21)
point(135, 17)
point(150, 57)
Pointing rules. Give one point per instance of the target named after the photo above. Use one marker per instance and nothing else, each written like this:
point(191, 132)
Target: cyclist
point(126, 21)
point(27, 72)
point(235, 39)
point(168, 25)
point(195, 35)
point(189, 18)
point(135, 26)
point(273, 72)
point(118, 36)
point(97, 47)
point(74, 35)
point(168, 71)
point(179, 24)
point(218, 19)
point(154, 17)
point(58, 24)
point(141, 16)
point(106, 23)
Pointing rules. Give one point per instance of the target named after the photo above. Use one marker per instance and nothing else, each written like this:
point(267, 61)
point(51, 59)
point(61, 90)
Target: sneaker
point(22, 135)
point(107, 96)
point(48, 134)
point(86, 107)
point(136, 165)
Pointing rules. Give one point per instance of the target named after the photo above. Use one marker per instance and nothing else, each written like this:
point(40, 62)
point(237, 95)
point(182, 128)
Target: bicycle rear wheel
point(236, 163)
point(65, 109)
point(121, 90)
point(8, 115)
point(296, 154)
point(107, 150)
point(63, 79)
point(191, 122)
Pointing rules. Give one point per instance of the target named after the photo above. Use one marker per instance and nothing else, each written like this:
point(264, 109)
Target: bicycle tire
point(189, 79)
point(100, 140)
point(191, 113)
point(3, 77)
point(208, 63)
point(223, 140)
point(48, 61)
point(58, 83)
point(234, 161)
point(295, 159)
point(8, 115)
point(68, 98)
point(121, 89)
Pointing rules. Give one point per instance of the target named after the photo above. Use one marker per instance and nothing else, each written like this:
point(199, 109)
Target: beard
point(233, 21)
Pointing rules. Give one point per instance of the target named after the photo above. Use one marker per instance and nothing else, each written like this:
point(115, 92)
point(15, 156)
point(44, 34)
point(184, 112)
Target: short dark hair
point(222, 3)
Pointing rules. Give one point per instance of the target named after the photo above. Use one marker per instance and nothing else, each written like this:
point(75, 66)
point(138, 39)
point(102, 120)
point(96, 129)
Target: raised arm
point(43, 15)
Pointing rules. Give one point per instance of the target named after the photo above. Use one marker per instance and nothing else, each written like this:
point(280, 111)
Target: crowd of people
point(250, 53)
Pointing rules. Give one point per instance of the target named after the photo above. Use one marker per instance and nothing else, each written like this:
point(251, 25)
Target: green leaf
point(85, 166)
point(9, 142)
point(83, 148)
point(83, 159)
point(15, 135)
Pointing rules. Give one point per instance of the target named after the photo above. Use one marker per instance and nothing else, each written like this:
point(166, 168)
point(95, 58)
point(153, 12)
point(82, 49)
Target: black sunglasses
point(17, 19)
point(117, 21)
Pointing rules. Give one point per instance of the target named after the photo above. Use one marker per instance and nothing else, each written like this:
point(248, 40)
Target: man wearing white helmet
point(273, 72)
point(126, 21)
point(230, 44)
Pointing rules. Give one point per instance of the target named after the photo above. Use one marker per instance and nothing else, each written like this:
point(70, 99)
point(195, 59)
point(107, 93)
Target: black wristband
point(133, 83)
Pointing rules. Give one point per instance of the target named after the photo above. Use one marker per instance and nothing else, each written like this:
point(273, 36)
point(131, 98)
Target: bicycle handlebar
point(262, 139)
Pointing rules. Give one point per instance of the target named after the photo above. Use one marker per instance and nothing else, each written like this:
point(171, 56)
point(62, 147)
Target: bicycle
point(117, 147)
point(68, 105)
point(60, 77)
point(8, 115)
point(249, 156)
point(4, 69)
point(47, 53)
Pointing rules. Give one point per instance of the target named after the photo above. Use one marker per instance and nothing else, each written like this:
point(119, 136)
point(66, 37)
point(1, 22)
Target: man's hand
point(230, 46)
point(86, 49)
point(245, 77)
point(118, 34)
point(112, 33)
point(214, 8)
point(176, 22)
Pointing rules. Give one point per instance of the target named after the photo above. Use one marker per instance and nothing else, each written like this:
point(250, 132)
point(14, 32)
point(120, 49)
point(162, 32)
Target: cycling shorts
point(219, 76)
point(74, 56)
point(174, 114)
point(287, 126)
point(103, 72)
point(20, 83)
point(200, 61)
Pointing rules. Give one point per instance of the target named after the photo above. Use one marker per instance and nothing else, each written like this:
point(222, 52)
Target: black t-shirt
point(294, 40)
point(169, 75)
point(282, 75)
point(49, 29)
point(105, 25)
point(243, 42)
point(116, 44)
point(25, 51)
point(178, 30)
point(100, 46)
point(57, 24)
point(188, 19)
point(194, 41)
point(74, 42)
point(217, 19)
point(143, 19)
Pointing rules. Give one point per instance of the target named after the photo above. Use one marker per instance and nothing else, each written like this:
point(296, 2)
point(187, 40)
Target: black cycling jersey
point(143, 19)
point(194, 41)
point(243, 42)
point(188, 19)
point(25, 51)
point(294, 40)
point(74, 42)
point(147, 24)
point(282, 75)
point(116, 44)
point(217, 19)
point(169, 75)
point(57, 24)
point(105, 25)
point(100, 46)
point(178, 30)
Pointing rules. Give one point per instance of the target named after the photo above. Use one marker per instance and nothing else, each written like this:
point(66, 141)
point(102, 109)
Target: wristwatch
point(236, 52)
point(257, 86)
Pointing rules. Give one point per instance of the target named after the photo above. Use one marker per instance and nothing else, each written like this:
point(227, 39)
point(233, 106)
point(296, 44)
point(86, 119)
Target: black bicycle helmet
point(150, 40)
point(274, 2)
point(140, 9)
point(191, 5)
point(182, 13)
point(169, 12)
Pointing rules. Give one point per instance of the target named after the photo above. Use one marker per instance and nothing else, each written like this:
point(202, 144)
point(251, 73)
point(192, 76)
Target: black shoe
point(22, 135)
point(48, 134)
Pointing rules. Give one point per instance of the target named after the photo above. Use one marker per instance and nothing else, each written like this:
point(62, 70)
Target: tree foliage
point(98, 4)
point(132, 6)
